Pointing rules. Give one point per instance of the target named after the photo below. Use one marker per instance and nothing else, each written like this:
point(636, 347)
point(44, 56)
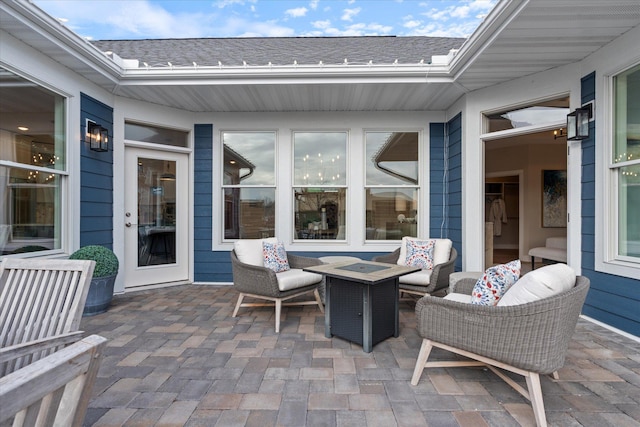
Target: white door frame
point(158, 275)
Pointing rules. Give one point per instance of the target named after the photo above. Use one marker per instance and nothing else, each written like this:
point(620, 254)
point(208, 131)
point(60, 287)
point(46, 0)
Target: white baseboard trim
point(611, 328)
point(214, 283)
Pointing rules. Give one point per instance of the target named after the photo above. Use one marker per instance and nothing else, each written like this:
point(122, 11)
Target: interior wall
point(532, 154)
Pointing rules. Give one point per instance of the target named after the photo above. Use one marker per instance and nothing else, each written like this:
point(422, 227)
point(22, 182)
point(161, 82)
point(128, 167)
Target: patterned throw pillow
point(275, 257)
point(420, 253)
point(495, 282)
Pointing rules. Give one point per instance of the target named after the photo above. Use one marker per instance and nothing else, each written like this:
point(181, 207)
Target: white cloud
point(348, 14)
point(360, 29)
point(321, 24)
point(452, 29)
point(412, 24)
point(129, 19)
point(224, 3)
point(313, 4)
point(240, 27)
point(297, 12)
point(461, 11)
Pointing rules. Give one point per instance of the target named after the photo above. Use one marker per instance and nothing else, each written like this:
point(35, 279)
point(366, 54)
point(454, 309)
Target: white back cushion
point(249, 251)
point(441, 251)
point(541, 283)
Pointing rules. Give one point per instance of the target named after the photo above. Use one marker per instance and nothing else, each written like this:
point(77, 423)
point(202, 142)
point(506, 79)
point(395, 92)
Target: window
point(32, 166)
point(320, 179)
point(391, 185)
point(155, 134)
point(625, 167)
point(249, 184)
point(555, 110)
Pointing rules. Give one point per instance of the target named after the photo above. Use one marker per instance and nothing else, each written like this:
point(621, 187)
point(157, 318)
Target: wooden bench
point(55, 390)
point(42, 304)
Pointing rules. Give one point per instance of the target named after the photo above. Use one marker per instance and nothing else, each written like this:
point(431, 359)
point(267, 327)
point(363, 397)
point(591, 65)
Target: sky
point(143, 19)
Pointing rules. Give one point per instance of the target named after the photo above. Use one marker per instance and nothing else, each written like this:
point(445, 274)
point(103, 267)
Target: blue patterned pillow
point(420, 253)
point(275, 257)
point(495, 282)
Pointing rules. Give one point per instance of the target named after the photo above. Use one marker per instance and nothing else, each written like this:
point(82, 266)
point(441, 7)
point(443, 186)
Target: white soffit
point(518, 38)
point(527, 37)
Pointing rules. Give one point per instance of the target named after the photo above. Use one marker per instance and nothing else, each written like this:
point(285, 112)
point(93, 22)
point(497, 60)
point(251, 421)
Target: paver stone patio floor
point(176, 357)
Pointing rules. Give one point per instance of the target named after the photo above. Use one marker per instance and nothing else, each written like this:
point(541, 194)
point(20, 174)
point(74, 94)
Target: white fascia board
point(286, 75)
point(57, 34)
point(500, 16)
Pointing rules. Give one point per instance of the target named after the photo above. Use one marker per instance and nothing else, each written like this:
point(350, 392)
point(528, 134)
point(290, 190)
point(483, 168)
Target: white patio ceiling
point(519, 37)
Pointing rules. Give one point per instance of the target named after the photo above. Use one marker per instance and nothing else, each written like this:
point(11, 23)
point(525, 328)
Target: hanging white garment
point(498, 215)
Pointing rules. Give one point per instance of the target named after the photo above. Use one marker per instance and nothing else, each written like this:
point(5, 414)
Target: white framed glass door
point(156, 217)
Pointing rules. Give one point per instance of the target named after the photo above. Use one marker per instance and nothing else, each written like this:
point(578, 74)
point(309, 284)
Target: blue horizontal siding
point(96, 179)
point(445, 186)
point(612, 299)
point(209, 266)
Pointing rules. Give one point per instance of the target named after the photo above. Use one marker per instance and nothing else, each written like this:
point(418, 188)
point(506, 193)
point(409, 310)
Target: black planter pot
point(99, 296)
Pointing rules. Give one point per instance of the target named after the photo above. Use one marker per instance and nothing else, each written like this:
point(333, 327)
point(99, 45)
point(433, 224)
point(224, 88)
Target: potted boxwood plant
point(104, 276)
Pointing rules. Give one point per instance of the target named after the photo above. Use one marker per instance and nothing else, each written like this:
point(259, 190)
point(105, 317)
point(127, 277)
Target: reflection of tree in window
point(320, 178)
point(391, 185)
point(249, 184)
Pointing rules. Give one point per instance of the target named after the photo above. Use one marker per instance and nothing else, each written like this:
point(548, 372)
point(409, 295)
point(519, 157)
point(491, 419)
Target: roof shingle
point(282, 50)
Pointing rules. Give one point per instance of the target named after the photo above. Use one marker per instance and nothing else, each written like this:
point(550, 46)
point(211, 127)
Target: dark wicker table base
point(362, 313)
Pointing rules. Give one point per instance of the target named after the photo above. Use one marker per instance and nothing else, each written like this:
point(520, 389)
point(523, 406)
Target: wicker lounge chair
point(527, 339)
point(262, 283)
point(437, 279)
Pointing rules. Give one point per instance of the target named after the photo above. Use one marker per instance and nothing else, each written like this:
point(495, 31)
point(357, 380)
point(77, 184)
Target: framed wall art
point(554, 198)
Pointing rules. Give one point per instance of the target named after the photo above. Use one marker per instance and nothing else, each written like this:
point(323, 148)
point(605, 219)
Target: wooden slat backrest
point(53, 391)
point(40, 299)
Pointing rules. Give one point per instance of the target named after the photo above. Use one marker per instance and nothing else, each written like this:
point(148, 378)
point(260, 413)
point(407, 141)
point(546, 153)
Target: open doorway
point(502, 216)
point(514, 173)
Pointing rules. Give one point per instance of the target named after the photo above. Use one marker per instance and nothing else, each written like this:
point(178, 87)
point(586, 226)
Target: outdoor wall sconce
point(97, 137)
point(578, 123)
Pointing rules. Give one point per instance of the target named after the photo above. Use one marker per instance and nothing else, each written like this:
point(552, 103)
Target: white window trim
point(606, 197)
point(355, 238)
point(219, 186)
point(422, 187)
point(290, 217)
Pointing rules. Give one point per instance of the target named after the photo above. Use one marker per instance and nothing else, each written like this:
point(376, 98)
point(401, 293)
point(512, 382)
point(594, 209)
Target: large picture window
point(625, 166)
point(249, 184)
point(320, 179)
point(32, 166)
point(391, 185)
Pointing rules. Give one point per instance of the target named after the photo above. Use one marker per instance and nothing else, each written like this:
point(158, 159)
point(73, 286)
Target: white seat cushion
point(249, 251)
point(549, 253)
point(417, 278)
point(540, 283)
point(296, 278)
point(458, 297)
